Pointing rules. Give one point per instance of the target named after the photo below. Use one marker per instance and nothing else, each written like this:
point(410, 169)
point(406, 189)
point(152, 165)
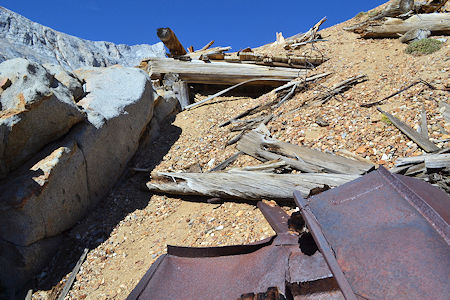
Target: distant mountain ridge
point(21, 37)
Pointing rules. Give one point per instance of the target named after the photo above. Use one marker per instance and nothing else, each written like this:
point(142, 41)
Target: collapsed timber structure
point(334, 249)
point(214, 66)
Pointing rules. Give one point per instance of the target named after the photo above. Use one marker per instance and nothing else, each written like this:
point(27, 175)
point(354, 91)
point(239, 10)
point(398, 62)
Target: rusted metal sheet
point(256, 271)
point(384, 236)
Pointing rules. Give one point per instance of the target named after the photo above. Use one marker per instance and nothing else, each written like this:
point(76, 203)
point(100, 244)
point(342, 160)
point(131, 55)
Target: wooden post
point(168, 37)
point(181, 89)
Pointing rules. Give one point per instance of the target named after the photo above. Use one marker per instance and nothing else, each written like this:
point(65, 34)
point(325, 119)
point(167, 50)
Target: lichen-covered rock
point(36, 110)
point(45, 199)
point(119, 105)
point(68, 79)
point(21, 37)
point(56, 187)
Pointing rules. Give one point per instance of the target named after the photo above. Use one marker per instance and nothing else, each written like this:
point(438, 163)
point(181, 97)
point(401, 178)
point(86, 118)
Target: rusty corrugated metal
point(257, 271)
point(384, 236)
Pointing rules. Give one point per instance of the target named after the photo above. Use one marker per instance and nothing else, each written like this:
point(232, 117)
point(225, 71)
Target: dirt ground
point(130, 228)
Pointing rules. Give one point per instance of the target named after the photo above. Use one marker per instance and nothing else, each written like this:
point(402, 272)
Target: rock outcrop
point(56, 185)
point(36, 110)
point(21, 37)
point(119, 106)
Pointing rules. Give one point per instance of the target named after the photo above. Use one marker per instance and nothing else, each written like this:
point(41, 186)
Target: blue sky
point(238, 24)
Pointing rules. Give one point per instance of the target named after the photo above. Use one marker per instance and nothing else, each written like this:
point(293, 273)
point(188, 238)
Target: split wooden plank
point(295, 82)
point(445, 110)
point(437, 23)
point(246, 185)
point(421, 141)
point(298, 45)
point(219, 72)
point(181, 89)
point(423, 124)
point(260, 107)
point(75, 271)
point(267, 167)
point(207, 52)
point(437, 161)
point(298, 157)
point(226, 162)
point(403, 161)
point(168, 37)
point(415, 170)
point(354, 156)
point(309, 35)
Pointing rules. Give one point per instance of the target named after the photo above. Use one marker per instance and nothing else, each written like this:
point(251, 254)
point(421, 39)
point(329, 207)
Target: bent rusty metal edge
point(419, 203)
point(324, 246)
point(412, 194)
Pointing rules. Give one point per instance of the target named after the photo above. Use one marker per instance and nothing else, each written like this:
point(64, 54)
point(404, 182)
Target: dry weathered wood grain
point(421, 141)
point(246, 185)
point(219, 72)
point(437, 23)
point(298, 157)
point(168, 37)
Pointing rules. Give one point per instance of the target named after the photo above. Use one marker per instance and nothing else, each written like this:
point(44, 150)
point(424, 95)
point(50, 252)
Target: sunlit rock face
point(21, 37)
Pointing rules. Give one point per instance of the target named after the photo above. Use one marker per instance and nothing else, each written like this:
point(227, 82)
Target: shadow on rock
point(128, 195)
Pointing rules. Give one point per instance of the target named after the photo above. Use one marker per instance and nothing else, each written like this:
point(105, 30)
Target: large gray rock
point(36, 110)
point(21, 37)
point(67, 78)
point(45, 198)
point(119, 105)
point(56, 187)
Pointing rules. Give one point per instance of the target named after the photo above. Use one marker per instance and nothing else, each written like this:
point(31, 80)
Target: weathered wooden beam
point(207, 45)
point(73, 275)
point(403, 161)
point(248, 185)
point(219, 72)
point(437, 161)
point(298, 157)
point(309, 35)
point(437, 23)
point(213, 52)
point(226, 162)
point(263, 106)
point(423, 123)
point(168, 37)
point(421, 141)
point(181, 89)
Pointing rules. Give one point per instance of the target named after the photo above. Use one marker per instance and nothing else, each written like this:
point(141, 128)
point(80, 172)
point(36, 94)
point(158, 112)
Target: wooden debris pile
point(274, 179)
point(287, 167)
point(433, 168)
point(303, 39)
point(216, 66)
point(408, 20)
